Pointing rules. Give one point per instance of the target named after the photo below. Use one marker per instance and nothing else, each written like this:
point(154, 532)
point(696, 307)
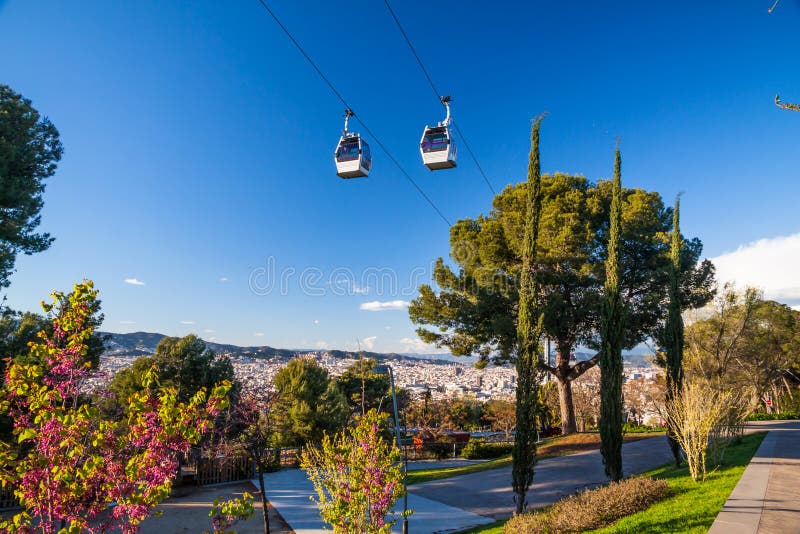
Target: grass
point(692, 506)
point(557, 446)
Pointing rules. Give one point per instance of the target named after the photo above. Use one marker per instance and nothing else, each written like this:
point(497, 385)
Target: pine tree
point(529, 327)
point(673, 335)
point(612, 325)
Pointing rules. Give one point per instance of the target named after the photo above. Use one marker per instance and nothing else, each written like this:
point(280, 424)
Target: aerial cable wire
point(436, 92)
point(347, 106)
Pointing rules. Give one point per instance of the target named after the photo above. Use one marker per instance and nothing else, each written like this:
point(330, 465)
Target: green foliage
point(592, 508)
point(365, 389)
point(183, 363)
point(29, 151)
point(357, 476)
point(72, 463)
point(529, 331)
point(691, 507)
point(309, 403)
point(784, 416)
point(501, 415)
point(748, 345)
point(673, 329)
point(18, 330)
point(478, 449)
point(612, 335)
point(474, 310)
point(225, 514)
point(633, 428)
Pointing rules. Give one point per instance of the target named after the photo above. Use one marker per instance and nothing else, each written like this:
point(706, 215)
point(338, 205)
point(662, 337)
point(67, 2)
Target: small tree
point(693, 415)
point(72, 465)
point(226, 514)
point(357, 476)
point(250, 418)
point(501, 415)
point(612, 337)
point(309, 403)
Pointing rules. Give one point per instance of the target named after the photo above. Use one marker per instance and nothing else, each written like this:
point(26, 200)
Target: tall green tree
point(29, 151)
point(474, 309)
point(529, 331)
point(309, 403)
point(19, 329)
point(182, 363)
point(612, 336)
point(673, 330)
point(365, 389)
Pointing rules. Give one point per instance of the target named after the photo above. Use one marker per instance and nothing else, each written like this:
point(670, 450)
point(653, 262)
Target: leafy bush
point(773, 416)
point(479, 449)
point(633, 428)
point(441, 448)
point(591, 509)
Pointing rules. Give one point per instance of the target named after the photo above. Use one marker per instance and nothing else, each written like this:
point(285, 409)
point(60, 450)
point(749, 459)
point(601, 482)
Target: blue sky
point(198, 146)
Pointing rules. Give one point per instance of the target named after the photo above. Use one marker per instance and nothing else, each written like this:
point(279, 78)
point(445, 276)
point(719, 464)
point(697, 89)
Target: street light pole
point(383, 369)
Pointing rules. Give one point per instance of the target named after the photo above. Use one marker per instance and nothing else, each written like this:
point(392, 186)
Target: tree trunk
point(264, 503)
point(568, 424)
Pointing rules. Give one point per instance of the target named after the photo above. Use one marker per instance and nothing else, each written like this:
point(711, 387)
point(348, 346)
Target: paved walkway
point(767, 497)
point(488, 493)
point(470, 500)
point(289, 491)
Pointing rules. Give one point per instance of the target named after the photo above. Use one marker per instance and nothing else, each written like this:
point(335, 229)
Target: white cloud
point(377, 305)
point(387, 327)
point(316, 321)
point(321, 345)
point(133, 282)
point(360, 290)
point(416, 345)
point(127, 322)
point(223, 279)
point(369, 342)
point(208, 331)
point(768, 264)
point(187, 322)
point(259, 334)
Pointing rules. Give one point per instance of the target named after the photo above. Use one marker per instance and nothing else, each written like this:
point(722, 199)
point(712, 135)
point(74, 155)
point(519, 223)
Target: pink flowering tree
point(357, 476)
point(72, 469)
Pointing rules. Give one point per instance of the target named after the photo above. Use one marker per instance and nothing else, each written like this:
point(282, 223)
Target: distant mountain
point(138, 344)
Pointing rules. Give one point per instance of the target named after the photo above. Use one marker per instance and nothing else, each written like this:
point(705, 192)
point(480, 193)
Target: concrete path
point(767, 497)
point(488, 493)
point(289, 491)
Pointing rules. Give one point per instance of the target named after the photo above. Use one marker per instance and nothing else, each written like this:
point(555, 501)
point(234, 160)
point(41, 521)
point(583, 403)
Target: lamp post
point(383, 369)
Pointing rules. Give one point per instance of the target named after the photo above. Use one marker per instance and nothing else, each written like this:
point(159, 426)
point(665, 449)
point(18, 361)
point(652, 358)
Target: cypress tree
point(529, 327)
point(673, 330)
point(612, 325)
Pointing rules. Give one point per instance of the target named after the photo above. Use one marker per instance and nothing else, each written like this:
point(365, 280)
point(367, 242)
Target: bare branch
point(786, 105)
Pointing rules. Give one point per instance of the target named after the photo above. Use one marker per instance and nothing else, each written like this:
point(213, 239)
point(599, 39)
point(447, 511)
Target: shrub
point(633, 428)
point(591, 509)
point(773, 416)
point(478, 449)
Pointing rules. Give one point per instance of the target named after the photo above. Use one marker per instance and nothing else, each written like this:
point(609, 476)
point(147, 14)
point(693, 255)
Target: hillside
point(137, 344)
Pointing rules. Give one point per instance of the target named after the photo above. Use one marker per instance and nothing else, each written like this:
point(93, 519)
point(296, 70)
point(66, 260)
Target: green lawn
point(557, 446)
point(692, 507)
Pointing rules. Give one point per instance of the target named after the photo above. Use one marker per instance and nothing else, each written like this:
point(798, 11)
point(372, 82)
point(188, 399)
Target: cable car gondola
point(437, 146)
point(353, 158)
